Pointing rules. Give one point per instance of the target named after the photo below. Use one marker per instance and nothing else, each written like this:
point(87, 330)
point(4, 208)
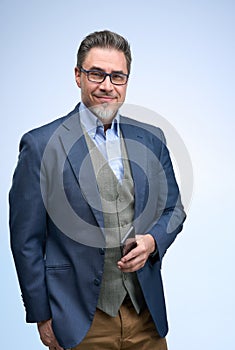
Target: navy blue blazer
point(56, 222)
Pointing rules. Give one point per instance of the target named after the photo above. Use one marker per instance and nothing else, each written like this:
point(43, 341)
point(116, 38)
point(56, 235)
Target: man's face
point(103, 99)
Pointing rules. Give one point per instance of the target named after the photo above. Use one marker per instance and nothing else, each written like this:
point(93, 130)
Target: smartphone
point(129, 241)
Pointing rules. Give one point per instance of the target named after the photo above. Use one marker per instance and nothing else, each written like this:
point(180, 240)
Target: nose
point(106, 85)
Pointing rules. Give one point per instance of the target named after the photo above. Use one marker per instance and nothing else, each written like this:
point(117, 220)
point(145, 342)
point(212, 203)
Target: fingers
point(56, 347)
point(134, 260)
point(138, 256)
point(47, 335)
point(131, 265)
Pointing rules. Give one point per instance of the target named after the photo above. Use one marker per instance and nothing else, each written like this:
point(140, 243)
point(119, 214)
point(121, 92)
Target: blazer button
point(101, 250)
point(96, 282)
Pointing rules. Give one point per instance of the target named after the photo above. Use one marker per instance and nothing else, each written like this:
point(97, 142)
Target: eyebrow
point(102, 70)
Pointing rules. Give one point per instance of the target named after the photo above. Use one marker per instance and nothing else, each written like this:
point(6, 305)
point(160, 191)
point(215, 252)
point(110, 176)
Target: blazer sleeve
point(28, 230)
point(171, 215)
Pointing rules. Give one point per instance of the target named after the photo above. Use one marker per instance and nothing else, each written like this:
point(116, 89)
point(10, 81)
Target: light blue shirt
point(108, 143)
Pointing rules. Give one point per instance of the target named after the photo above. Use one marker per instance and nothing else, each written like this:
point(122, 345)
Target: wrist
point(40, 323)
point(152, 245)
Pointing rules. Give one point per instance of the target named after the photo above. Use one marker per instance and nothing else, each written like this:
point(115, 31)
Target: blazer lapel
point(77, 152)
point(137, 156)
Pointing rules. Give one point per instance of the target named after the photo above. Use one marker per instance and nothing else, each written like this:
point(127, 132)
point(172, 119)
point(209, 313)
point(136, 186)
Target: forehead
point(105, 59)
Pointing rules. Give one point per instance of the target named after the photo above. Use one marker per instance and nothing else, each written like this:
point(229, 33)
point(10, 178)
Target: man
point(81, 184)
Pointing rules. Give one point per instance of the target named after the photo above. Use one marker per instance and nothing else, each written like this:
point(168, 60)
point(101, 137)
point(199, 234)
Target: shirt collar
point(91, 122)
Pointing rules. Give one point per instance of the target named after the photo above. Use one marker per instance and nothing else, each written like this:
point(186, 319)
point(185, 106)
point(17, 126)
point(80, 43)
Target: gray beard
point(104, 112)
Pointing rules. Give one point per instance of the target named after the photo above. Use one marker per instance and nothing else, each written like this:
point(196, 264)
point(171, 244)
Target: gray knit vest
point(118, 210)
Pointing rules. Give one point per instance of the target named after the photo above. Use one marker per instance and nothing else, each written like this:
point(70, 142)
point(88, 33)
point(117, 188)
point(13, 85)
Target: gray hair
point(104, 39)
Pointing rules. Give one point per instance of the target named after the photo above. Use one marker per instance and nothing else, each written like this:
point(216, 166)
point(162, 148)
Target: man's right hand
point(47, 335)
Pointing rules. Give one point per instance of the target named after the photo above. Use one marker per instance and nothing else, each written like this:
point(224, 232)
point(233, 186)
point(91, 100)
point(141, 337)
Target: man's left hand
point(138, 256)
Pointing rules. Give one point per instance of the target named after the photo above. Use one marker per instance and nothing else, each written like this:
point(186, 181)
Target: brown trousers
point(126, 331)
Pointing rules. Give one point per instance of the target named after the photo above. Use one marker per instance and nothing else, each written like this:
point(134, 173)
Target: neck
point(107, 126)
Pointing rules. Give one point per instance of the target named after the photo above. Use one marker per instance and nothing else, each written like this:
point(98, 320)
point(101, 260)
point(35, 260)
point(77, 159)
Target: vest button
point(124, 276)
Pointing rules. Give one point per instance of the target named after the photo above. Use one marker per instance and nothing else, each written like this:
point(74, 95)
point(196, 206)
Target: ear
point(77, 76)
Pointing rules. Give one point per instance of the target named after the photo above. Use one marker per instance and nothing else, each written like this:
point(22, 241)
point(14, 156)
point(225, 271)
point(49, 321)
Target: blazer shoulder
point(42, 134)
point(144, 128)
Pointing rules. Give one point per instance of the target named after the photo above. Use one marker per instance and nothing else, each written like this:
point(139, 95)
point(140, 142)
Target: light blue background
point(183, 68)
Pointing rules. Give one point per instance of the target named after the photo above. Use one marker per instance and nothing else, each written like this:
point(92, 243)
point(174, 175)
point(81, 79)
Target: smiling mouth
point(105, 98)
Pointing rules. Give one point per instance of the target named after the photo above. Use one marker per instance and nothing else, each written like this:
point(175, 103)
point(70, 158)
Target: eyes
point(116, 78)
point(97, 76)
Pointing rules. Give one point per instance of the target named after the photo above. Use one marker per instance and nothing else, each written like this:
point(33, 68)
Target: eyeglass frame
point(104, 76)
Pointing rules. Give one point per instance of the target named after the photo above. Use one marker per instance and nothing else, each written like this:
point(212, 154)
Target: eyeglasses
point(97, 76)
